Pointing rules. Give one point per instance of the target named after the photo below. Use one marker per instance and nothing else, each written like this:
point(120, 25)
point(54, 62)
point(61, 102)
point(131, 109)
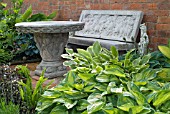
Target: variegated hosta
point(100, 83)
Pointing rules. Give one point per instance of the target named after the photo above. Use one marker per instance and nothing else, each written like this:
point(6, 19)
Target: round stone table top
point(49, 26)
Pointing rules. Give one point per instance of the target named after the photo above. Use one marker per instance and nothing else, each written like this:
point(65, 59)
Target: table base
point(52, 69)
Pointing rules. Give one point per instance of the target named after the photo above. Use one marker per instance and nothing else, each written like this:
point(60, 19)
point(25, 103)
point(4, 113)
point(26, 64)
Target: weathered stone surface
point(51, 47)
point(51, 38)
point(49, 26)
point(108, 26)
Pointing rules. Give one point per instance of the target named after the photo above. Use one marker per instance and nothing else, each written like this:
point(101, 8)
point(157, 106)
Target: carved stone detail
point(51, 45)
point(114, 25)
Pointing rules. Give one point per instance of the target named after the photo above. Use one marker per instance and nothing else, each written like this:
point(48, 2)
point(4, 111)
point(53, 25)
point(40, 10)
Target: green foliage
point(100, 83)
point(29, 94)
point(158, 60)
point(10, 42)
point(8, 108)
point(165, 49)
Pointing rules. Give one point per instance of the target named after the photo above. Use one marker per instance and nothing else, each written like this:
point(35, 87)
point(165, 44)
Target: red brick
point(159, 40)
point(152, 46)
point(136, 6)
point(73, 7)
point(138, 1)
point(116, 6)
point(104, 6)
point(118, 1)
point(162, 33)
point(151, 6)
point(95, 6)
point(66, 2)
point(164, 20)
point(168, 34)
point(152, 33)
point(151, 26)
point(164, 6)
point(150, 18)
point(163, 27)
point(161, 12)
point(159, 1)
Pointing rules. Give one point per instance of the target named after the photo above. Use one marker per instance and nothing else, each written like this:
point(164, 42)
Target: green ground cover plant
point(100, 83)
point(9, 108)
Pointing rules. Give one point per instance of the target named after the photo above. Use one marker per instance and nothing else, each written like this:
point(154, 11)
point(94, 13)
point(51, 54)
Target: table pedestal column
point(51, 46)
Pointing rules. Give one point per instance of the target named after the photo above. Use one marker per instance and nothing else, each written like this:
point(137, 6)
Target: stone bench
point(109, 27)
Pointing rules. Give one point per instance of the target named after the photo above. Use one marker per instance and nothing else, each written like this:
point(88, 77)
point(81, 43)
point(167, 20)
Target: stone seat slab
point(104, 43)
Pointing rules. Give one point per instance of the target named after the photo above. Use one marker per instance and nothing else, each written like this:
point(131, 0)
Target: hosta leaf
point(61, 88)
point(70, 78)
point(85, 112)
point(145, 59)
point(162, 97)
point(70, 105)
point(85, 76)
point(94, 97)
point(136, 62)
point(164, 74)
point(108, 108)
point(43, 103)
point(82, 105)
point(116, 72)
point(79, 86)
point(154, 86)
point(95, 107)
point(160, 113)
point(128, 54)
point(125, 103)
point(96, 48)
point(98, 69)
point(51, 94)
point(69, 51)
point(85, 54)
point(75, 94)
point(126, 107)
point(127, 63)
point(83, 69)
point(140, 98)
point(103, 78)
point(110, 85)
point(114, 52)
point(166, 106)
point(165, 50)
point(59, 110)
point(117, 90)
point(101, 86)
point(140, 110)
point(89, 88)
point(66, 56)
point(69, 63)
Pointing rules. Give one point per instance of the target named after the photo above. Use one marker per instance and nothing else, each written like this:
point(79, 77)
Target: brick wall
point(156, 12)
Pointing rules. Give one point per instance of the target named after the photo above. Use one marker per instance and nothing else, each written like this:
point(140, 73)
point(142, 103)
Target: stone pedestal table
point(51, 38)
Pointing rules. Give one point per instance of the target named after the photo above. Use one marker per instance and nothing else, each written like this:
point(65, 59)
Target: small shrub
point(100, 83)
point(11, 42)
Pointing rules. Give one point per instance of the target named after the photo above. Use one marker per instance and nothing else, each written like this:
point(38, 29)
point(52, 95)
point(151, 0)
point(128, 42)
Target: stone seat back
point(109, 27)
